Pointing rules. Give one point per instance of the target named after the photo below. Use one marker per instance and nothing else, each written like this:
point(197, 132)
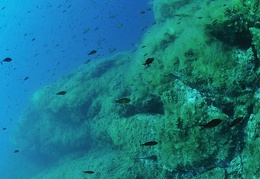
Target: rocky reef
point(206, 66)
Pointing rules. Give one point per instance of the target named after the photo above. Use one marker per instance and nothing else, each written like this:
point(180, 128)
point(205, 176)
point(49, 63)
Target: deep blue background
point(47, 39)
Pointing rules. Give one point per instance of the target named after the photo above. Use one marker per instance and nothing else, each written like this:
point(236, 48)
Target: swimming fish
point(16, 151)
point(26, 78)
point(7, 59)
point(152, 157)
point(119, 25)
point(61, 93)
point(236, 121)
point(148, 61)
point(150, 143)
point(4, 128)
point(88, 172)
point(123, 100)
point(92, 52)
point(211, 124)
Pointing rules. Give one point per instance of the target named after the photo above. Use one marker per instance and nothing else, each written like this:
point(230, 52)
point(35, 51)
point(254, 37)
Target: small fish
point(236, 121)
point(61, 93)
point(4, 128)
point(152, 157)
point(33, 39)
point(88, 172)
point(148, 61)
point(92, 52)
point(26, 78)
point(211, 124)
point(119, 25)
point(16, 151)
point(150, 143)
point(7, 59)
point(123, 100)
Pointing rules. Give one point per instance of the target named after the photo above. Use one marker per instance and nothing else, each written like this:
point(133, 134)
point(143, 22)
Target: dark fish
point(88, 172)
point(213, 123)
point(7, 59)
point(33, 39)
point(148, 61)
point(16, 151)
point(150, 143)
point(4, 128)
point(92, 52)
point(123, 100)
point(26, 78)
point(142, 12)
point(236, 121)
point(61, 93)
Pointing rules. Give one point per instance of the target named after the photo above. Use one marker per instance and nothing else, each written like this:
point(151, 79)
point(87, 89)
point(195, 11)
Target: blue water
point(47, 39)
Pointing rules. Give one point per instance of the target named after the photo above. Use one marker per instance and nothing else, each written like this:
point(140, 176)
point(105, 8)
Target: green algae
point(205, 67)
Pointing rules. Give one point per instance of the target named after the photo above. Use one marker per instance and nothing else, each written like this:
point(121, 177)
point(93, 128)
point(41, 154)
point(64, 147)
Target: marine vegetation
point(199, 99)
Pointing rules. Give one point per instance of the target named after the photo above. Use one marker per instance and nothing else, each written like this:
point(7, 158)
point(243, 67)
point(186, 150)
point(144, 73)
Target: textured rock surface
point(206, 67)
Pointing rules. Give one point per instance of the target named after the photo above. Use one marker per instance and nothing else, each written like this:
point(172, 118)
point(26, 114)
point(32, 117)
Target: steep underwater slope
point(206, 66)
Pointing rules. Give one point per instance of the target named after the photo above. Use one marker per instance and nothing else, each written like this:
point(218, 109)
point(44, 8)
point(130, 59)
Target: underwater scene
point(160, 89)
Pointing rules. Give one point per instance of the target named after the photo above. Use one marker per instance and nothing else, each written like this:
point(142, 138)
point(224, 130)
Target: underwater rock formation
point(206, 66)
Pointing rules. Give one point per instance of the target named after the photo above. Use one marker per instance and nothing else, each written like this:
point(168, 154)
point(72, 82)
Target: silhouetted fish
point(123, 100)
point(16, 151)
point(4, 128)
point(150, 143)
point(236, 121)
point(88, 172)
point(7, 59)
point(148, 61)
point(213, 123)
point(92, 52)
point(61, 93)
point(26, 78)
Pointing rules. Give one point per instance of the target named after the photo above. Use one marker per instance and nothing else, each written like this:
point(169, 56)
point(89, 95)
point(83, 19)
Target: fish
point(148, 61)
point(61, 93)
point(236, 121)
point(4, 128)
point(123, 100)
point(26, 78)
point(7, 59)
point(152, 158)
point(150, 143)
point(92, 52)
point(119, 25)
point(211, 124)
point(88, 172)
point(16, 151)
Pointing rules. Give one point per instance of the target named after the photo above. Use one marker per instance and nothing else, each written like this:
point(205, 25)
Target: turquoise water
point(161, 89)
point(47, 39)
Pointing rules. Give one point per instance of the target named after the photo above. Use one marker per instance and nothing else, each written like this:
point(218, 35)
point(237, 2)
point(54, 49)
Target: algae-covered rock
point(205, 68)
